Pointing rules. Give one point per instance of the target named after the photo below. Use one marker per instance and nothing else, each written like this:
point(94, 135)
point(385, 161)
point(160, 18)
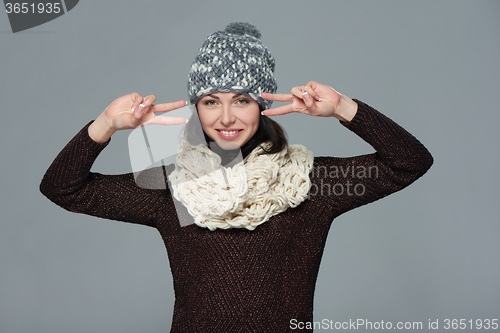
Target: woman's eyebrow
point(215, 97)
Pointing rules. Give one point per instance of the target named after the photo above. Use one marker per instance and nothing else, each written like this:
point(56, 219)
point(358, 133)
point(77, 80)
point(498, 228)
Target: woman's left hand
point(314, 99)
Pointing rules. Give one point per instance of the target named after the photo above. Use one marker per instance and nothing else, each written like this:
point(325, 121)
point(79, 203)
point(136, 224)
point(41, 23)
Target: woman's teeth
point(228, 133)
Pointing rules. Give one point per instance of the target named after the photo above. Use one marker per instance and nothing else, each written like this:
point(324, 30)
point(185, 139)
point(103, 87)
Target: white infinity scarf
point(257, 188)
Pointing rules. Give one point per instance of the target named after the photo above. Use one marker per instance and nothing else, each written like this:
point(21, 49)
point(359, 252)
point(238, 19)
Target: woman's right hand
point(131, 111)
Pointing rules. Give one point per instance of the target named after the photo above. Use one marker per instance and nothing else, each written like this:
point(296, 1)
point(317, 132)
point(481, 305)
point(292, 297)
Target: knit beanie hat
point(233, 60)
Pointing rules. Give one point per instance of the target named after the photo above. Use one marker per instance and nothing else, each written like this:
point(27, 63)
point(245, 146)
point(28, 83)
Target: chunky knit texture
point(245, 195)
point(238, 280)
point(233, 60)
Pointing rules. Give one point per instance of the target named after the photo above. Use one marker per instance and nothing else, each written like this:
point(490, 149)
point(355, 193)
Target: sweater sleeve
point(69, 183)
point(399, 160)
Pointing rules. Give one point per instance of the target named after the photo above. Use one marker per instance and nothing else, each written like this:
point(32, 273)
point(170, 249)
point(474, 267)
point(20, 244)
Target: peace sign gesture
point(131, 111)
point(314, 99)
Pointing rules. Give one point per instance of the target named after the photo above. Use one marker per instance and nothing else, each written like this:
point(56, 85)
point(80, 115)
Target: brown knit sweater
point(238, 280)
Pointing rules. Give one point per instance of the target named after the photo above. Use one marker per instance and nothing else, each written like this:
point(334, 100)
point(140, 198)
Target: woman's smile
point(229, 134)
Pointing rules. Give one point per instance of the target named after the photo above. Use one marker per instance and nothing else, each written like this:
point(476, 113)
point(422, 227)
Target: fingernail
point(186, 121)
point(262, 113)
point(187, 102)
point(306, 96)
point(317, 98)
point(141, 108)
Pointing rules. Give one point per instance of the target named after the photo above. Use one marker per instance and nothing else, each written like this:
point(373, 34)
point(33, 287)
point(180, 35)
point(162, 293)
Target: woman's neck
point(229, 157)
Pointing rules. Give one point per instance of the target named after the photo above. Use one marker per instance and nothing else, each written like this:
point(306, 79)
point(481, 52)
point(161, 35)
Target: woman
point(249, 261)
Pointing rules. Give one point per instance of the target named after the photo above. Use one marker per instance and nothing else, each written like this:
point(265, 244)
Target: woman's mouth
point(229, 134)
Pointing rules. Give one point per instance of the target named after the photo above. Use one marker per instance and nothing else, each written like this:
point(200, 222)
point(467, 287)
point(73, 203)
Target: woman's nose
point(227, 116)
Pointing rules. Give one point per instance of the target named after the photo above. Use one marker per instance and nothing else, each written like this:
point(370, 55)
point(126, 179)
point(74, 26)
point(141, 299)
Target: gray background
point(429, 252)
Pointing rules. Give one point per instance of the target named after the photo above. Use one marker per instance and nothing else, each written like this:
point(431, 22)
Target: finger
point(149, 100)
point(285, 109)
point(310, 89)
point(161, 120)
point(147, 103)
point(138, 109)
point(309, 97)
point(298, 92)
point(136, 100)
point(164, 107)
point(277, 97)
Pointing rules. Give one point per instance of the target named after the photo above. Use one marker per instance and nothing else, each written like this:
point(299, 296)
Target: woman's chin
point(227, 145)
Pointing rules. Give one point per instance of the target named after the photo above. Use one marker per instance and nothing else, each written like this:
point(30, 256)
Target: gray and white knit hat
point(233, 60)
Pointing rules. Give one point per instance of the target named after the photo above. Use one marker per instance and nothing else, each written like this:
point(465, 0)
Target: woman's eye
point(210, 102)
point(243, 101)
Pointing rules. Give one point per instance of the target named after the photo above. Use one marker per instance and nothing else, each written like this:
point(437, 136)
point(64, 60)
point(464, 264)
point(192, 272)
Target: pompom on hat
point(233, 60)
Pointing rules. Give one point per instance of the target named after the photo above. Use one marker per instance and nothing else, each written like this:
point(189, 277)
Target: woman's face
point(229, 117)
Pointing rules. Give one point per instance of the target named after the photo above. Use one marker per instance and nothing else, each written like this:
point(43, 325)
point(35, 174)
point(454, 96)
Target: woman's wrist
point(100, 130)
point(346, 109)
